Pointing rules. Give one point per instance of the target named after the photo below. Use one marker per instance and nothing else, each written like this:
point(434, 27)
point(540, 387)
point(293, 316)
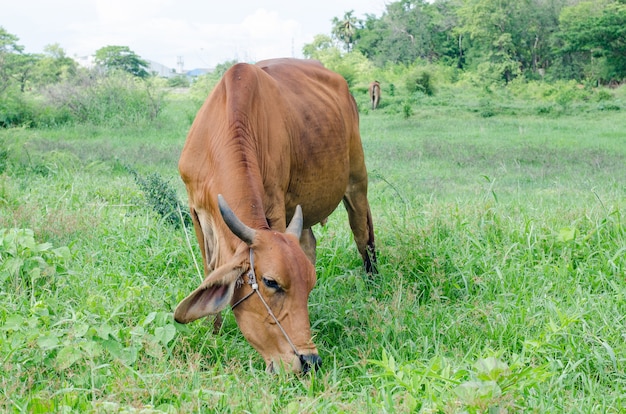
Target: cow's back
point(283, 130)
point(322, 123)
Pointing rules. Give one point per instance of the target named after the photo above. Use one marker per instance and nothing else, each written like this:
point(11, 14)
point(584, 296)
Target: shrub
point(26, 265)
point(420, 81)
point(4, 159)
point(486, 108)
point(407, 110)
point(603, 95)
point(178, 81)
point(114, 99)
point(162, 198)
point(15, 109)
point(608, 106)
point(490, 384)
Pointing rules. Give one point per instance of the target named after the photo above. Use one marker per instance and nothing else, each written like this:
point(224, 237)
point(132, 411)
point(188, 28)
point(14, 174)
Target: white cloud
point(161, 30)
point(124, 11)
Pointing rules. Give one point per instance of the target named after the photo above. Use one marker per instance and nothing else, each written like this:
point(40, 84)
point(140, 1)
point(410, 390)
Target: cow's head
point(270, 298)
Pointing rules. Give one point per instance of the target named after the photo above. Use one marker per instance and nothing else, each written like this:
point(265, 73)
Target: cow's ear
point(213, 294)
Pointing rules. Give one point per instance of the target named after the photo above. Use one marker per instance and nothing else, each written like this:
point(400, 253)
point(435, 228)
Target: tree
point(344, 30)
point(54, 66)
point(23, 65)
point(410, 30)
point(370, 36)
point(595, 34)
point(10, 53)
point(122, 58)
point(319, 46)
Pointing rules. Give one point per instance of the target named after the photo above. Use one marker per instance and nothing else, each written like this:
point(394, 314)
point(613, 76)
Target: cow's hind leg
point(360, 216)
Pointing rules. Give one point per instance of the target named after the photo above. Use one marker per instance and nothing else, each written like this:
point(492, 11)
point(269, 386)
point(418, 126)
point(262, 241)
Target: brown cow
point(276, 141)
point(375, 94)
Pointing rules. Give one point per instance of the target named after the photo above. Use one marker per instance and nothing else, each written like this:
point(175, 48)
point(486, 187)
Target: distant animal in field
point(374, 94)
point(272, 152)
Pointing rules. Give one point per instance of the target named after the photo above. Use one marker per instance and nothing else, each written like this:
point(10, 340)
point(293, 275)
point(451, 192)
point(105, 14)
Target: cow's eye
point(271, 283)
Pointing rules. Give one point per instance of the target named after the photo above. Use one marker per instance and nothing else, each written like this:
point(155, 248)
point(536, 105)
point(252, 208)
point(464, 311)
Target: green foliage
point(121, 58)
point(203, 85)
point(162, 198)
point(50, 335)
point(14, 110)
point(55, 66)
point(113, 99)
point(4, 157)
point(407, 110)
point(420, 81)
point(501, 40)
point(27, 267)
point(178, 81)
point(10, 52)
point(317, 48)
point(409, 30)
point(596, 35)
point(351, 65)
point(344, 30)
point(490, 384)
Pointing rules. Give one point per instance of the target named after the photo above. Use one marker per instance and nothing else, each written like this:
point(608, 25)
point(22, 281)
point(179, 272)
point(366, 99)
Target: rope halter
point(255, 288)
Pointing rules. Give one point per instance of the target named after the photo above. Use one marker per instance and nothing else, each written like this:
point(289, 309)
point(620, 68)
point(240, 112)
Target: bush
point(25, 109)
point(603, 95)
point(407, 110)
point(162, 198)
point(4, 159)
point(178, 81)
point(112, 99)
point(15, 110)
point(420, 81)
point(26, 265)
point(563, 93)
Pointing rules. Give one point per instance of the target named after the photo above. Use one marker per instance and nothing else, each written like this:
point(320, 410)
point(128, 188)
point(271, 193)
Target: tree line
point(494, 41)
point(501, 39)
point(50, 88)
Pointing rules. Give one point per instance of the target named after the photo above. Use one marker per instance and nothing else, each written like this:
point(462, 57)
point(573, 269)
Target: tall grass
point(502, 248)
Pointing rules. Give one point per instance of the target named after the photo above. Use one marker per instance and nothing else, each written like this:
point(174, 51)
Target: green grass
point(502, 249)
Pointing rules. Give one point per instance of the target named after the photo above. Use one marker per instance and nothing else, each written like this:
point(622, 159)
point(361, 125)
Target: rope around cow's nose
point(255, 288)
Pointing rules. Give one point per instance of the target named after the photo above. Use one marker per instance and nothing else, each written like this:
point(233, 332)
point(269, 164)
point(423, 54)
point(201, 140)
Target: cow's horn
point(295, 226)
point(235, 225)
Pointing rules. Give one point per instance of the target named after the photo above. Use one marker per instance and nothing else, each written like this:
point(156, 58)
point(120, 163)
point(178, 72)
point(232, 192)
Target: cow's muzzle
point(310, 362)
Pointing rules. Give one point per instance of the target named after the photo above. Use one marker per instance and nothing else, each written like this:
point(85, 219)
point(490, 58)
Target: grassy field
point(502, 285)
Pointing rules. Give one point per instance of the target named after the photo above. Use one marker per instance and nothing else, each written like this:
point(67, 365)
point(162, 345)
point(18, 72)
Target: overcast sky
point(203, 32)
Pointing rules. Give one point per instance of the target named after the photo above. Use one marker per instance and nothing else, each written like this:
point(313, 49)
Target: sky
point(202, 32)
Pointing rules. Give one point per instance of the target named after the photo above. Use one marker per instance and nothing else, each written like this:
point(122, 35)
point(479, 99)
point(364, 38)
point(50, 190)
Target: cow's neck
point(242, 186)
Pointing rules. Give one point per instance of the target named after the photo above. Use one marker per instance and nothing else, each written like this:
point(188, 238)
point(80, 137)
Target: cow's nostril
point(311, 361)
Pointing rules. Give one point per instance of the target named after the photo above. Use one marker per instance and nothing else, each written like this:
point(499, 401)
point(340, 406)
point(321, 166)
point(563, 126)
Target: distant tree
point(10, 58)
point(445, 42)
point(410, 30)
point(203, 85)
point(54, 66)
point(320, 45)
point(370, 37)
point(178, 81)
point(122, 58)
point(221, 68)
point(23, 65)
point(595, 34)
point(507, 38)
point(344, 30)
